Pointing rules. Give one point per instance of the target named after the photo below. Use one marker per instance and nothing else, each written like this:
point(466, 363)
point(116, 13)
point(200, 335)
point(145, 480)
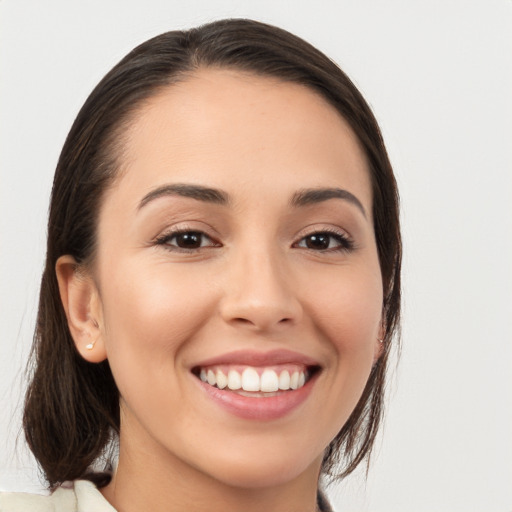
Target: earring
point(378, 339)
point(90, 345)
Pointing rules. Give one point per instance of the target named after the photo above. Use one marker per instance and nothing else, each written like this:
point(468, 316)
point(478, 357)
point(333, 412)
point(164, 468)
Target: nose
point(260, 294)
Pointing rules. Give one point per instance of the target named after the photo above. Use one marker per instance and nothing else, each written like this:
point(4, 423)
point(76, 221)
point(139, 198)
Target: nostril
point(258, 322)
point(261, 313)
point(242, 320)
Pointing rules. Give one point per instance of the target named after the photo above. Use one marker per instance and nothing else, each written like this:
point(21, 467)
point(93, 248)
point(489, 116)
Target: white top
point(77, 496)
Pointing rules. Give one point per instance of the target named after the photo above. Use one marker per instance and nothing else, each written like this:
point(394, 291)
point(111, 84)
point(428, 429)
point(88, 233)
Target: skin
point(154, 310)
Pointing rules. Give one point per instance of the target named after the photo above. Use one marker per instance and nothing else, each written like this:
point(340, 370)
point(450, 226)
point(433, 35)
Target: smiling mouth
point(256, 381)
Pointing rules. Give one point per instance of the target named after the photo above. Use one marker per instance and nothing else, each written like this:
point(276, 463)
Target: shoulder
point(62, 499)
point(77, 496)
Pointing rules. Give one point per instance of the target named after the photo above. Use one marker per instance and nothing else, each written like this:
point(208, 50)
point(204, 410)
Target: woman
point(222, 282)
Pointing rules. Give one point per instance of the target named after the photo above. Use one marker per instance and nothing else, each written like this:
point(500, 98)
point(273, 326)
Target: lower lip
point(259, 408)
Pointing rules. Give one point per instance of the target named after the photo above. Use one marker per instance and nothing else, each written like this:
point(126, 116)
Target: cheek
point(348, 316)
point(149, 314)
point(348, 309)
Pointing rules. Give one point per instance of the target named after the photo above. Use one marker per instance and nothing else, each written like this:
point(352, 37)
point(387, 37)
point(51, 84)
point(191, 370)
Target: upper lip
point(255, 358)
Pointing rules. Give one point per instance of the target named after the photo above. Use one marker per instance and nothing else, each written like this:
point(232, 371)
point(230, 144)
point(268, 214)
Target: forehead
point(219, 126)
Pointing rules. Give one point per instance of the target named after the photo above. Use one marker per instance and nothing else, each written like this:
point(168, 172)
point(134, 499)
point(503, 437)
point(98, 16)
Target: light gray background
point(438, 74)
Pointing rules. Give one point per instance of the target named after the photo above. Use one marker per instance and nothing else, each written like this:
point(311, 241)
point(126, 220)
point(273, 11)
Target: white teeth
point(284, 380)
point(294, 380)
point(211, 378)
point(222, 380)
point(269, 381)
point(234, 380)
point(250, 380)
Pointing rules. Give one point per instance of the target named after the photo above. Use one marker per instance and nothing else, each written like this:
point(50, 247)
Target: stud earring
point(380, 340)
point(90, 346)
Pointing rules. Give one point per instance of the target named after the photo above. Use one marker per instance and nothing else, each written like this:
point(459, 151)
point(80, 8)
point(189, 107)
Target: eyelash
point(345, 244)
point(166, 238)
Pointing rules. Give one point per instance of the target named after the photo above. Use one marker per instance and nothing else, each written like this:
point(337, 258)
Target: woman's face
point(237, 247)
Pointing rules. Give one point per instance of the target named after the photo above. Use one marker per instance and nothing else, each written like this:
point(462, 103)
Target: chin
point(266, 472)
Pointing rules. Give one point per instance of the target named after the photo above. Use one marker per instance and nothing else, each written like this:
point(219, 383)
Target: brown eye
point(187, 240)
point(318, 241)
point(325, 241)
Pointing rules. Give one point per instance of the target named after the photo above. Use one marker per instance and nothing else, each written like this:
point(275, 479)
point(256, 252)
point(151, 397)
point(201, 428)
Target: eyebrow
point(206, 194)
point(317, 195)
point(300, 198)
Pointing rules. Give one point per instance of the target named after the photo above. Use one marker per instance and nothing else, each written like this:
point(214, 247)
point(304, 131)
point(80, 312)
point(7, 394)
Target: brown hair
point(72, 406)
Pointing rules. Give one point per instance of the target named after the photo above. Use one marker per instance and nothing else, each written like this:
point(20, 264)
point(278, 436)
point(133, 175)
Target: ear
point(82, 304)
point(379, 344)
